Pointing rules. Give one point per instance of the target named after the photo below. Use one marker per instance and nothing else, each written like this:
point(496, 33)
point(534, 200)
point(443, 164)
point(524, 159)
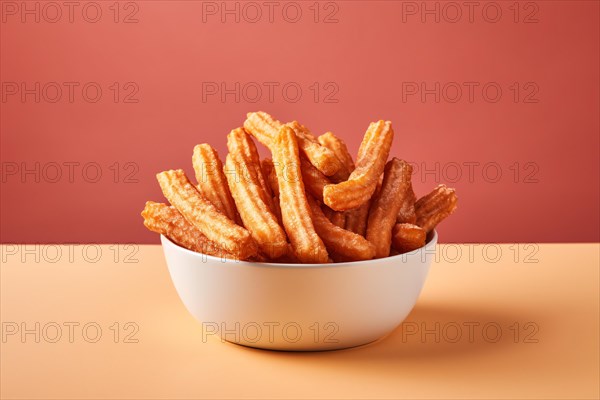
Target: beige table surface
point(542, 299)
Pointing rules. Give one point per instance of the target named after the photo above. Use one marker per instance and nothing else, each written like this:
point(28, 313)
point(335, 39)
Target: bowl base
point(305, 350)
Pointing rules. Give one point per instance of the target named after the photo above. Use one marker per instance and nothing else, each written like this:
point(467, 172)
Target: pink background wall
point(541, 134)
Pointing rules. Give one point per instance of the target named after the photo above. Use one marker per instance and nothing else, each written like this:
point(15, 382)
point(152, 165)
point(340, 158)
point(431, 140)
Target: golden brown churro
point(356, 219)
point(339, 148)
point(386, 204)
point(407, 212)
point(338, 218)
point(321, 157)
point(264, 128)
point(269, 172)
point(167, 221)
point(309, 204)
point(408, 237)
point(434, 207)
point(241, 145)
point(348, 245)
point(250, 197)
point(204, 215)
point(212, 182)
point(307, 245)
point(362, 182)
point(314, 180)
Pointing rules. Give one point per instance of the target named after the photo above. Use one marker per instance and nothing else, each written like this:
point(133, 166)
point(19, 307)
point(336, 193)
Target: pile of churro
point(310, 203)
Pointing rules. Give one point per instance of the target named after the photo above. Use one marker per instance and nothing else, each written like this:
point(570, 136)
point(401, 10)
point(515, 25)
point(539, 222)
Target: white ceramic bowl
point(298, 306)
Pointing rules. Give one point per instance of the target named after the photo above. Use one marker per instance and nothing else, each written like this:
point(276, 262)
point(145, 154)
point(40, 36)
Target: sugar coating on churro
point(361, 184)
point(167, 221)
point(255, 205)
point(386, 204)
point(434, 207)
point(307, 245)
point(310, 203)
point(408, 237)
point(204, 215)
point(348, 245)
point(212, 182)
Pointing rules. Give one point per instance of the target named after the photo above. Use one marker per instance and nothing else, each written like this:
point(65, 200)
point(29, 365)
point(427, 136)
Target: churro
point(339, 148)
point(408, 237)
point(269, 172)
point(167, 221)
point(434, 207)
point(386, 204)
point(314, 180)
point(248, 191)
point(361, 184)
point(271, 176)
point(310, 203)
point(212, 183)
point(241, 144)
point(307, 245)
point(320, 156)
point(201, 213)
point(407, 212)
point(338, 218)
point(356, 219)
point(348, 245)
point(264, 128)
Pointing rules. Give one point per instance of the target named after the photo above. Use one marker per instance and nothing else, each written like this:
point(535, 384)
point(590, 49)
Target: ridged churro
point(386, 204)
point(212, 182)
point(407, 212)
point(361, 184)
point(248, 190)
point(434, 207)
point(307, 245)
point(167, 221)
point(338, 218)
point(264, 128)
point(271, 176)
point(239, 142)
point(310, 203)
point(320, 156)
point(348, 245)
point(356, 219)
point(269, 172)
point(314, 180)
point(408, 237)
point(339, 148)
point(201, 213)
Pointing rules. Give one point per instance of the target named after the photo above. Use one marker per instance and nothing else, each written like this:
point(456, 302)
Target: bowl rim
point(165, 241)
